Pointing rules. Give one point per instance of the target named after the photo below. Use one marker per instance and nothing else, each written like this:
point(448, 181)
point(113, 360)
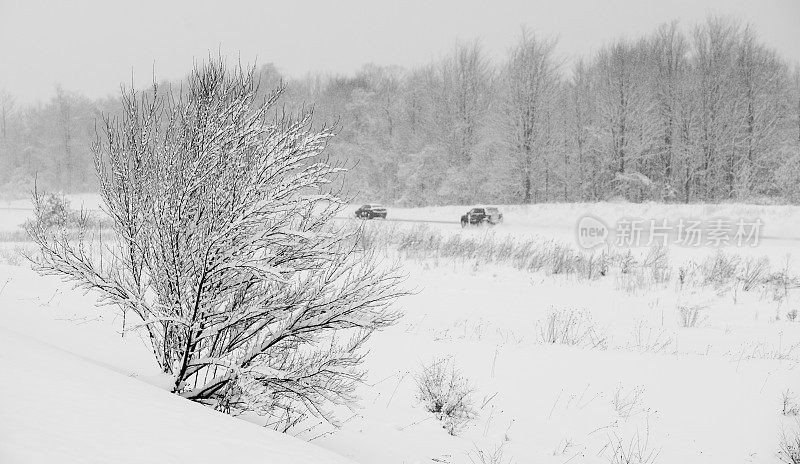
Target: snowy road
point(781, 224)
point(530, 229)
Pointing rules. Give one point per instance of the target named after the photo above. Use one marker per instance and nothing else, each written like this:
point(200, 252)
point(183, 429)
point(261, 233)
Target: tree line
point(683, 114)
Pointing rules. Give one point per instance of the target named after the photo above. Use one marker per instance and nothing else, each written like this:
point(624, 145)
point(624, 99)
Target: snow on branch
point(224, 249)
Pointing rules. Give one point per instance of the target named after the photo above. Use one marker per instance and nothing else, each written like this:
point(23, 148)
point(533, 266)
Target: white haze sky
point(94, 46)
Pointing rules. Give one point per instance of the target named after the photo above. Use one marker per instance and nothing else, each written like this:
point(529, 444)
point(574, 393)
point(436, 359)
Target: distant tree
point(715, 45)
point(687, 139)
point(463, 99)
point(626, 116)
point(763, 85)
point(6, 109)
point(581, 109)
point(269, 78)
point(426, 163)
point(682, 114)
point(383, 98)
point(462, 95)
point(225, 251)
point(7, 103)
point(566, 174)
point(670, 67)
point(531, 87)
point(65, 116)
point(796, 91)
point(376, 107)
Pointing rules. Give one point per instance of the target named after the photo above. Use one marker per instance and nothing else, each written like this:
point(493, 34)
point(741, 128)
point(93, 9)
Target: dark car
point(478, 216)
point(371, 212)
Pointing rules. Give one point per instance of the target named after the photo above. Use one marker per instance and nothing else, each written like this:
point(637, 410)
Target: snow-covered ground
point(74, 391)
point(711, 393)
point(780, 229)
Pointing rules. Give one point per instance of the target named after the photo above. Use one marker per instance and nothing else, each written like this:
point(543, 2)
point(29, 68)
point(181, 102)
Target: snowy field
point(780, 232)
point(674, 369)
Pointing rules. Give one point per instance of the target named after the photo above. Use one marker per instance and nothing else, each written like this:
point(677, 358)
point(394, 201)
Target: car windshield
point(365, 207)
point(477, 211)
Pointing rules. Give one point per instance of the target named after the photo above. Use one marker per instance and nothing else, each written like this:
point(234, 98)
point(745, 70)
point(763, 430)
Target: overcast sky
point(93, 46)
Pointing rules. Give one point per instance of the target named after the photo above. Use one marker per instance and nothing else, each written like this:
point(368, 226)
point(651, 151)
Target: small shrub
point(591, 266)
point(495, 456)
point(18, 235)
point(719, 269)
point(563, 447)
point(15, 256)
point(653, 270)
point(753, 273)
point(626, 403)
point(649, 341)
point(632, 282)
point(571, 327)
point(53, 210)
point(562, 260)
point(626, 262)
point(657, 261)
point(790, 406)
point(53, 215)
point(781, 282)
point(683, 275)
point(605, 263)
point(690, 315)
point(635, 451)
point(447, 394)
point(789, 447)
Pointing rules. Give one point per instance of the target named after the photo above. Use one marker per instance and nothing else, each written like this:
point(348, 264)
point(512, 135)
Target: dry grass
point(637, 450)
point(649, 340)
point(723, 271)
point(15, 254)
point(789, 447)
point(627, 402)
point(485, 456)
point(444, 391)
point(532, 255)
point(690, 315)
point(790, 405)
point(571, 327)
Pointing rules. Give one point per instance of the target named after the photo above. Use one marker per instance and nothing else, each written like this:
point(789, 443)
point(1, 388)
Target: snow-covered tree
point(224, 252)
point(7, 102)
point(590, 176)
point(683, 114)
point(763, 82)
point(530, 85)
point(626, 116)
point(714, 49)
point(796, 99)
point(670, 67)
point(461, 95)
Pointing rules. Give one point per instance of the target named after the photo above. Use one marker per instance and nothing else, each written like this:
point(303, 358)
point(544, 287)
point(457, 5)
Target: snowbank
point(81, 407)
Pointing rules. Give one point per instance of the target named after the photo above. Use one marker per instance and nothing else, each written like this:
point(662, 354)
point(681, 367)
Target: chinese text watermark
point(687, 232)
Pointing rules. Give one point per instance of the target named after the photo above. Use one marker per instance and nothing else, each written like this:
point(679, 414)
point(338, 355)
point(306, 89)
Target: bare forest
point(700, 113)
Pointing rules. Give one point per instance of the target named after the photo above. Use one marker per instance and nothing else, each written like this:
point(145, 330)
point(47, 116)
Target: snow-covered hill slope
point(58, 406)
